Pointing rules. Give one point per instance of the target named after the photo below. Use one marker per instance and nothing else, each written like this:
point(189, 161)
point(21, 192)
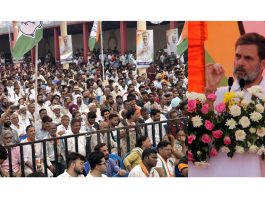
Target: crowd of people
point(79, 99)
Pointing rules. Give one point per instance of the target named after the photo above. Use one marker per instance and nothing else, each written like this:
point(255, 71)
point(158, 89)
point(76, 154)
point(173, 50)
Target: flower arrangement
point(236, 125)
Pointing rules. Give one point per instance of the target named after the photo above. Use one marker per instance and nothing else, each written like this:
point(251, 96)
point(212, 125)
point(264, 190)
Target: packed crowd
point(78, 100)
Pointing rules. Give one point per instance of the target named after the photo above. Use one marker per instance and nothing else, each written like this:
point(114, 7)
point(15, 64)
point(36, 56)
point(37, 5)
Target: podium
point(241, 165)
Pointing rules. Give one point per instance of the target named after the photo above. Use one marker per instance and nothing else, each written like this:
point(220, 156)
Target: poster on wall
point(144, 48)
point(172, 40)
point(66, 49)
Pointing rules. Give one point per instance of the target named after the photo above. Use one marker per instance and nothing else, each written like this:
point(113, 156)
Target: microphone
point(230, 83)
point(242, 83)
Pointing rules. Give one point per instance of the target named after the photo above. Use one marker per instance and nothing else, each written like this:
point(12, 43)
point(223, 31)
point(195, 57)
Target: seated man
point(97, 164)
point(6, 139)
point(146, 167)
point(165, 163)
point(103, 138)
point(75, 165)
point(112, 168)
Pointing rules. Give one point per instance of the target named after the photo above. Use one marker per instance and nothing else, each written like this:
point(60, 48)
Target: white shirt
point(27, 151)
point(20, 131)
point(137, 172)
point(170, 164)
point(89, 175)
point(102, 139)
point(235, 88)
point(149, 129)
point(65, 174)
point(81, 143)
point(62, 128)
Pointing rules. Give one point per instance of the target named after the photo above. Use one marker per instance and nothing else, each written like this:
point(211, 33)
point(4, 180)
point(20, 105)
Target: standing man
point(249, 63)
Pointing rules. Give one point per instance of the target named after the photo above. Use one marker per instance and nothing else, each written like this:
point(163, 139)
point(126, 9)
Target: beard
point(7, 124)
point(79, 172)
point(248, 77)
point(23, 116)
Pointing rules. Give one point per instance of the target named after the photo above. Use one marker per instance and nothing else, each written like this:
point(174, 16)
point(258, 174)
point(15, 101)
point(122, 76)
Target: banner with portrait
point(66, 49)
point(172, 40)
point(144, 48)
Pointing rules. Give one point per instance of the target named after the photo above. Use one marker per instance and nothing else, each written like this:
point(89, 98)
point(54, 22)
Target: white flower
point(261, 132)
point(245, 103)
point(225, 149)
point(231, 123)
point(199, 152)
point(252, 130)
point(196, 96)
point(261, 150)
point(254, 90)
point(235, 110)
point(202, 98)
point(244, 122)
point(259, 108)
point(239, 149)
point(259, 95)
point(240, 135)
point(255, 116)
point(202, 164)
point(239, 94)
point(196, 121)
point(253, 149)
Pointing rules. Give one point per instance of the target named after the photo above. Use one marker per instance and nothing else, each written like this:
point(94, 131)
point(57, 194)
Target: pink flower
point(227, 140)
point(190, 156)
point(211, 97)
point(191, 138)
point(220, 108)
point(191, 105)
point(208, 125)
point(206, 138)
point(213, 152)
point(205, 108)
point(217, 134)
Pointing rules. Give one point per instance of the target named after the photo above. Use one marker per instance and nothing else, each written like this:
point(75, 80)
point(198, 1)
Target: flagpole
point(36, 83)
point(102, 54)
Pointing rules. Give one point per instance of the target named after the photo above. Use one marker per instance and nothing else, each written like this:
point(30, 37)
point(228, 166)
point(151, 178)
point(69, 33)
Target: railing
point(139, 127)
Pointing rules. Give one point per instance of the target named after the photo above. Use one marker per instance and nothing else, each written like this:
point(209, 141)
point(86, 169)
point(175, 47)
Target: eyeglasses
point(8, 137)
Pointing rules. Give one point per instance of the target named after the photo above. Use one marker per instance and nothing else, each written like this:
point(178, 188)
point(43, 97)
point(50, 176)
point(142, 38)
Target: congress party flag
point(28, 35)
point(182, 44)
point(94, 35)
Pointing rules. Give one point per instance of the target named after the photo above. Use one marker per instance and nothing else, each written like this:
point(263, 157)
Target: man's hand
point(122, 172)
point(214, 75)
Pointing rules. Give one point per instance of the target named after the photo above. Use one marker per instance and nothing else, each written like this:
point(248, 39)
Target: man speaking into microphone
point(249, 63)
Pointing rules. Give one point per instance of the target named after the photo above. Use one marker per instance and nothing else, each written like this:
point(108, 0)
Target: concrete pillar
point(123, 33)
point(173, 24)
point(56, 43)
point(85, 40)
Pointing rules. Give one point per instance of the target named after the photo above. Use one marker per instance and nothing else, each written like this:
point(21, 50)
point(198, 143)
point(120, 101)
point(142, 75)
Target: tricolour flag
point(182, 44)
point(29, 34)
point(94, 35)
